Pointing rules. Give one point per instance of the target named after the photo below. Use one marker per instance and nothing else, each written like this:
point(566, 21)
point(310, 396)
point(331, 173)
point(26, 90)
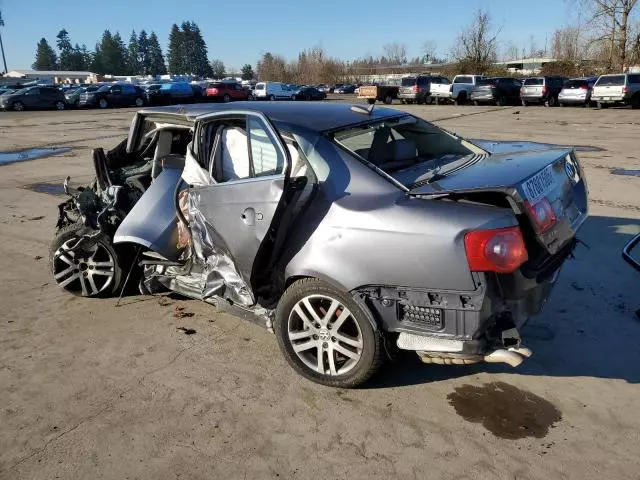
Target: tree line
point(142, 55)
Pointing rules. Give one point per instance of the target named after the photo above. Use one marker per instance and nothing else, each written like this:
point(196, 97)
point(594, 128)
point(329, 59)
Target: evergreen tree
point(247, 72)
point(133, 55)
point(188, 51)
point(111, 55)
point(156, 59)
point(175, 56)
point(143, 53)
point(45, 57)
point(65, 50)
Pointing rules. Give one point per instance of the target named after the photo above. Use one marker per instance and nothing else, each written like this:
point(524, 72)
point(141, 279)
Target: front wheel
point(60, 105)
point(272, 98)
point(84, 269)
point(226, 98)
point(103, 103)
point(139, 102)
point(326, 336)
point(18, 106)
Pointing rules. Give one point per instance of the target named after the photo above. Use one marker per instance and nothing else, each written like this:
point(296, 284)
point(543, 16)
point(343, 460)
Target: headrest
point(404, 150)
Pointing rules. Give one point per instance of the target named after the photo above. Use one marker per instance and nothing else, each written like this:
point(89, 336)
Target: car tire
point(501, 102)
point(409, 102)
point(272, 98)
point(250, 98)
point(72, 268)
point(347, 355)
point(388, 100)
point(477, 103)
point(524, 103)
point(139, 102)
point(461, 99)
point(551, 102)
point(226, 98)
point(635, 101)
point(102, 103)
point(371, 101)
point(60, 105)
point(601, 105)
point(17, 106)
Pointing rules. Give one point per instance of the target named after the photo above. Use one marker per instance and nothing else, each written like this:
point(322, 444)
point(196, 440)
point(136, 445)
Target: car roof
point(319, 117)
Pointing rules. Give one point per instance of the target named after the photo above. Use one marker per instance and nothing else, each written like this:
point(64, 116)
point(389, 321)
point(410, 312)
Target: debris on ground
point(187, 331)
point(164, 301)
point(180, 313)
point(38, 257)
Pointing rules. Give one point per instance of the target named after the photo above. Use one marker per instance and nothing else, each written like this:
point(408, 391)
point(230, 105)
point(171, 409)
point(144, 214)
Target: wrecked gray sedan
point(349, 231)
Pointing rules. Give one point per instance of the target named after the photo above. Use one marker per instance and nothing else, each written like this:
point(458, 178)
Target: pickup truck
point(462, 87)
point(621, 89)
point(441, 92)
point(384, 93)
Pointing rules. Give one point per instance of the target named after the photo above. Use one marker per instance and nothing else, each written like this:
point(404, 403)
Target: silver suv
point(617, 89)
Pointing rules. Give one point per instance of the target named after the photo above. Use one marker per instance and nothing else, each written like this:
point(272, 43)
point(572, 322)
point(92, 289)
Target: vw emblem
point(571, 169)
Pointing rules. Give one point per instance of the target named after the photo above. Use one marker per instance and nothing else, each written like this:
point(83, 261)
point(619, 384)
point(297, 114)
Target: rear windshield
point(576, 84)
point(485, 81)
point(463, 79)
point(396, 144)
point(534, 81)
point(409, 81)
point(610, 81)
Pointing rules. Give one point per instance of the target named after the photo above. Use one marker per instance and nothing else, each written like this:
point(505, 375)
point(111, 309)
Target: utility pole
point(4, 60)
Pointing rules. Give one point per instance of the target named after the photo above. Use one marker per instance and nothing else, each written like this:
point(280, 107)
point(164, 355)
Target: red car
point(227, 92)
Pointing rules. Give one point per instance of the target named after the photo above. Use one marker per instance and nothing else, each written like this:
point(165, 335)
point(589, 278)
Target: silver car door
point(239, 209)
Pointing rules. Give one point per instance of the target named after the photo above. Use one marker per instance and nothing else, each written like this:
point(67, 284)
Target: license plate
point(607, 98)
point(539, 185)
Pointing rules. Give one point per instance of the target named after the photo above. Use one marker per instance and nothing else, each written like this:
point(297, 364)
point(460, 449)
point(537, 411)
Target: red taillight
point(625, 89)
point(541, 214)
point(212, 91)
point(544, 90)
point(501, 250)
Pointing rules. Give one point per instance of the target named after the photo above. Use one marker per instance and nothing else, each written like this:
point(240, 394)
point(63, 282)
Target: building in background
point(52, 76)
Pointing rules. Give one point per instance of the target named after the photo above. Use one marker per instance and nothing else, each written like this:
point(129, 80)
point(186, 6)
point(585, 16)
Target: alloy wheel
point(18, 107)
point(324, 335)
point(60, 105)
point(87, 272)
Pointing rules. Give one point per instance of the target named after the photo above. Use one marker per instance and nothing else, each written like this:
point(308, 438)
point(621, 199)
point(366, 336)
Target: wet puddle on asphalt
point(50, 188)
point(504, 410)
point(626, 172)
point(31, 154)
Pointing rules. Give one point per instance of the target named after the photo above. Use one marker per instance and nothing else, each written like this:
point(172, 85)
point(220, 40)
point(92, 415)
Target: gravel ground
point(90, 390)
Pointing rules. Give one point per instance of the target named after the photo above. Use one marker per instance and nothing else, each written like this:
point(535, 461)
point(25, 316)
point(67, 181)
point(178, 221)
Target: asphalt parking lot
point(91, 390)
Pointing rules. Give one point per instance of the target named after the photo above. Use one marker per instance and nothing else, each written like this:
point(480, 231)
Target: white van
point(274, 91)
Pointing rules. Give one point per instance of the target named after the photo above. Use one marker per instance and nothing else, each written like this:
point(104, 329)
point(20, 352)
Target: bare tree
point(429, 49)
point(567, 44)
point(476, 46)
point(511, 52)
point(612, 22)
point(396, 53)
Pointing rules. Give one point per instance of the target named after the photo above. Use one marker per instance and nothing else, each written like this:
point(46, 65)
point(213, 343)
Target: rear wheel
point(461, 99)
point(388, 100)
point(60, 105)
point(139, 102)
point(551, 102)
point(85, 271)
point(326, 336)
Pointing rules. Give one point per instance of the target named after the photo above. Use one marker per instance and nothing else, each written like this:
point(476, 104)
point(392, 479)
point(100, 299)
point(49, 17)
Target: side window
point(633, 79)
point(267, 159)
point(116, 89)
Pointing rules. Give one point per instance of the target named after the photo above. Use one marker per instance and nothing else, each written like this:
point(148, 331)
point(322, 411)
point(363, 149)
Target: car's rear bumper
point(573, 100)
point(469, 323)
point(533, 98)
point(482, 97)
point(609, 99)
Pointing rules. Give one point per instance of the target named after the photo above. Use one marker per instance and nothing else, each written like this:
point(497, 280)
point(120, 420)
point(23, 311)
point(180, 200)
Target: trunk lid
point(554, 175)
